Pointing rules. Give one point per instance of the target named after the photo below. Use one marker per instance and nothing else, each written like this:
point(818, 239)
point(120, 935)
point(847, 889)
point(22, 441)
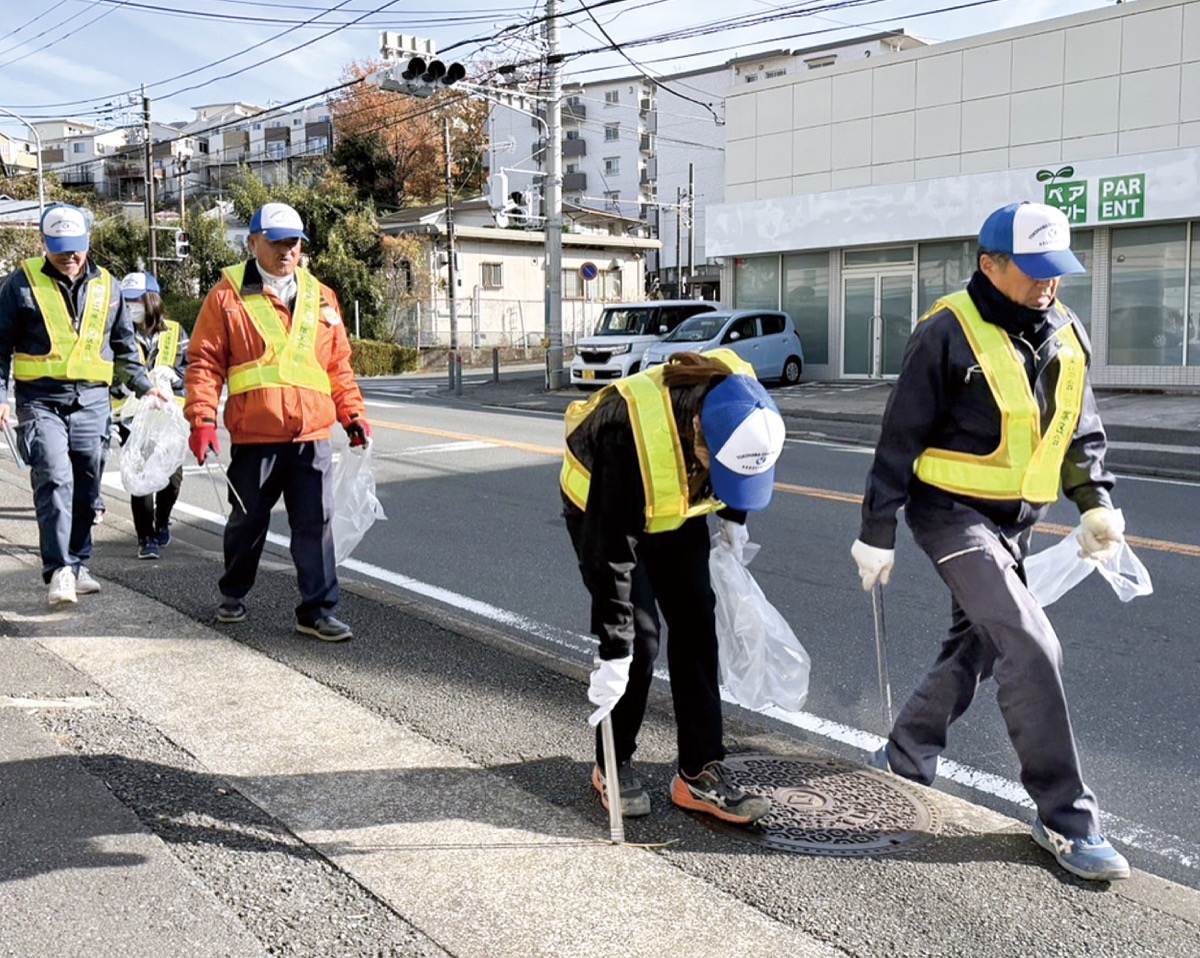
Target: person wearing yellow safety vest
point(272, 334)
point(648, 458)
point(991, 415)
point(164, 348)
point(64, 331)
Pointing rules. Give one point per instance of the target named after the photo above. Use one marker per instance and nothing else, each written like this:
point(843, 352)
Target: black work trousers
point(301, 472)
point(152, 513)
point(672, 575)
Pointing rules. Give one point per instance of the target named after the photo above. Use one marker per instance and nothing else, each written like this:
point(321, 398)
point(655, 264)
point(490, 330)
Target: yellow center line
point(809, 492)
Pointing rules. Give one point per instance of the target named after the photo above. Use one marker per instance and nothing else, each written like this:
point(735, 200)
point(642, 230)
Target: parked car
point(615, 350)
point(766, 339)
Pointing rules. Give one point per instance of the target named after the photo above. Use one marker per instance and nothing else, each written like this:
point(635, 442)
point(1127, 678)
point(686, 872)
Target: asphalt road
point(474, 525)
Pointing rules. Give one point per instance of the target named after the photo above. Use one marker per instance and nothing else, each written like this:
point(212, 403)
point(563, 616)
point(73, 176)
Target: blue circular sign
point(589, 271)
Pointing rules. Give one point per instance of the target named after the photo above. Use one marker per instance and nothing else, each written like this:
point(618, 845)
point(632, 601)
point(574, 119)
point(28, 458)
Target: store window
point(883, 256)
point(943, 268)
point(756, 282)
point(1075, 289)
point(806, 298)
point(1147, 296)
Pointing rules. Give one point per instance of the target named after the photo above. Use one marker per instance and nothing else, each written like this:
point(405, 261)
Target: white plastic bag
point(157, 443)
point(762, 661)
point(1053, 572)
point(355, 507)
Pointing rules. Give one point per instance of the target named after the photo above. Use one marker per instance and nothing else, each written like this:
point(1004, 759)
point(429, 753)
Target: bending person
point(648, 458)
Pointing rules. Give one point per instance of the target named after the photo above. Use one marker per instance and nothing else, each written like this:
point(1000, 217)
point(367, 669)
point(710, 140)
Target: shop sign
point(1117, 198)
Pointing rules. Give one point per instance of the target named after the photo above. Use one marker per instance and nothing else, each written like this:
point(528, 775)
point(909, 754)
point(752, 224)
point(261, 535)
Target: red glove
point(359, 431)
point(204, 438)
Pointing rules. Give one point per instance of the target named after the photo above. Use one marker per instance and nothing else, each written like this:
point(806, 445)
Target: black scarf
point(1001, 311)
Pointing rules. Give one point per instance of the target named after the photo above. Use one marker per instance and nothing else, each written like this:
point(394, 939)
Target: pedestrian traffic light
point(183, 244)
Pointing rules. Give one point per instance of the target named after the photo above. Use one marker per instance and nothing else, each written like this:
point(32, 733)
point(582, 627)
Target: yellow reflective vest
point(656, 438)
point(1027, 464)
point(290, 358)
point(73, 357)
point(168, 352)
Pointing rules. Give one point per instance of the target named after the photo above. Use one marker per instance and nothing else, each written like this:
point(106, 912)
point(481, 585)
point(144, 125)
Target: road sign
point(589, 271)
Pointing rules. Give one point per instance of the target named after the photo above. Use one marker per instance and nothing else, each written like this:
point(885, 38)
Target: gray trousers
point(997, 630)
point(65, 446)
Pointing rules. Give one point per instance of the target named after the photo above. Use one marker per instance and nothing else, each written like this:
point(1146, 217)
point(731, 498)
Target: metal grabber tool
point(612, 779)
point(885, 685)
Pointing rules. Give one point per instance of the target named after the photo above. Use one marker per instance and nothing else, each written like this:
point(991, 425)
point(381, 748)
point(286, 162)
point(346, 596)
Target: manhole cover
point(827, 807)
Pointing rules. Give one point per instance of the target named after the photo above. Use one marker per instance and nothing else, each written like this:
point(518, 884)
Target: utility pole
point(678, 242)
point(553, 194)
point(452, 277)
point(691, 220)
point(149, 177)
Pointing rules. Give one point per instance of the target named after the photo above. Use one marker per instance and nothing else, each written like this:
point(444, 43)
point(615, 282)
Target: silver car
point(766, 339)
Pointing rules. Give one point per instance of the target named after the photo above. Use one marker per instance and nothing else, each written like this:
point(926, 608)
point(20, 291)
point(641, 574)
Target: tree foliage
point(344, 247)
point(392, 145)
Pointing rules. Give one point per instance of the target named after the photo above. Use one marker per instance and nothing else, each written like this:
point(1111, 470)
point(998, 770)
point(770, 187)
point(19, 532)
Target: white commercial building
point(853, 197)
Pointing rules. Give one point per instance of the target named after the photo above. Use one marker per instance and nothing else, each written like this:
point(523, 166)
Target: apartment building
point(853, 197)
point(633, 146)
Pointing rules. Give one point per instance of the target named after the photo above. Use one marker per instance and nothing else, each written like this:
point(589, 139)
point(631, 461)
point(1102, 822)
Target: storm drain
point(827, 807)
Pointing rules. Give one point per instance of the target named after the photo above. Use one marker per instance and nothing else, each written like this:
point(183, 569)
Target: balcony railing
point(574, 148)
point(574, 181)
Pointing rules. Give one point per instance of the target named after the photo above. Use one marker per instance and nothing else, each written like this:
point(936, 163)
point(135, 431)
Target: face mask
point(137, 312)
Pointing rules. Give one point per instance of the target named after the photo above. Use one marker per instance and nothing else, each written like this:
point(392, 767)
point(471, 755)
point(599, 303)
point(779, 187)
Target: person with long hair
point(164, 345)
point(648, 457)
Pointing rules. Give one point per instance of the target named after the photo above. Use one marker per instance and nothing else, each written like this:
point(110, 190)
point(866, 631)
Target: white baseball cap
point(277, 221)
point(65, 229)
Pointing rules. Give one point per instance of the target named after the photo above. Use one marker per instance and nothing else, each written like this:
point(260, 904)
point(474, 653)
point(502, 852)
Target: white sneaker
point(62, 587)
point(85, 583)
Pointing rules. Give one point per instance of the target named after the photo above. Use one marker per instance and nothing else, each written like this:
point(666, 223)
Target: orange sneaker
point(711, 794)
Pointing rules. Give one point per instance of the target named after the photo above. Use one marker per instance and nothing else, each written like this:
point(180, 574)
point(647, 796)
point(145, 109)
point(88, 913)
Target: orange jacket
point(225, 337)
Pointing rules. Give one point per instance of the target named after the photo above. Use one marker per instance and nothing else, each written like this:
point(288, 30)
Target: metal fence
point(486, 323)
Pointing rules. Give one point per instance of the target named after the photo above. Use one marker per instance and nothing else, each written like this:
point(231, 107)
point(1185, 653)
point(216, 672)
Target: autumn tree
point(391, 146)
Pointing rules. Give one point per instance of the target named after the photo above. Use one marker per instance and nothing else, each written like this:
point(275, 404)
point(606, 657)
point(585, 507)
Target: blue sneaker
point(879, 759)
point(163, 536)
point(1091, 858)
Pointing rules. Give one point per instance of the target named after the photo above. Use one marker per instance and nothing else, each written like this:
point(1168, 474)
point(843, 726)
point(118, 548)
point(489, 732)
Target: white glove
point(1102, 534)
point(874, 565)
point(734, 536)
point(607, 686)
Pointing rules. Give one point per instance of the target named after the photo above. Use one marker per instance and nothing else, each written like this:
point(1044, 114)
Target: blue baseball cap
point(65, 229)
point(137, 285)
point(744, 434)
point(1035, 236)
point(277, 221)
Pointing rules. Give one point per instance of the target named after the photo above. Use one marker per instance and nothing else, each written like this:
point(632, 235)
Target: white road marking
point(1170, 847)
point(437, 447)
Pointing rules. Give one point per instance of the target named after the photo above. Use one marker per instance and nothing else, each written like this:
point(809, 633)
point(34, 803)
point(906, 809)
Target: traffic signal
point(419, 77)
point(183, 244)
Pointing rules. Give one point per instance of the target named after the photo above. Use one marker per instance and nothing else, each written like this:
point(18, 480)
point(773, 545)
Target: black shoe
point(710, 793)
point(635, 800)
point(148, 549)
point(326, 628)
point(231, 610)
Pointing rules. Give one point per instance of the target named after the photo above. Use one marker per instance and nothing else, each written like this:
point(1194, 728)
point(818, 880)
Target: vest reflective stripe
point(1027, 464)
point(72, 357)
point(290, 358)
point(656, 439)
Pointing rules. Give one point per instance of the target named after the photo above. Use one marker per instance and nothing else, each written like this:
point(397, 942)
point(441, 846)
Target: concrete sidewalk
point(174, 788)
point(1150, 433)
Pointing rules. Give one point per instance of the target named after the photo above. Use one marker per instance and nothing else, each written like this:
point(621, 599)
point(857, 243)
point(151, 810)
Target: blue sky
point(82, 57)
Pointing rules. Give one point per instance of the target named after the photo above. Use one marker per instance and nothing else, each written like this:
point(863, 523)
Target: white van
point(623, 335)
